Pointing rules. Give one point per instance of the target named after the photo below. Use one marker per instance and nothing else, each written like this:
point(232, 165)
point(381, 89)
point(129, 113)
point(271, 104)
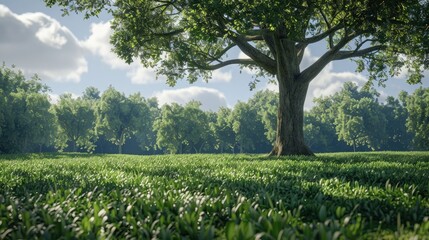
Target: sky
point(70, 53)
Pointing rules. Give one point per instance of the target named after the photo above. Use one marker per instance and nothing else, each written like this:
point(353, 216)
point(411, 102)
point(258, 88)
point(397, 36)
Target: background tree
point(91, 93)
point(322, 117)
point(248, 129)
point(313, 132)
point(266, 104)
point(25, 121)
point(119, 117)
point(196, 126)
point(147, 140)
point(76, 123)
point(183, 128)
point(191, 38)
point(417, 105)
point(349, 125)
point(169, 128)
point(397, 137)
point(361, 123)
point(42, 127)
point(223, 130)
point(211, 142)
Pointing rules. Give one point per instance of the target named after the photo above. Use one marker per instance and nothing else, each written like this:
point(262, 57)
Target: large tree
point(190, 38)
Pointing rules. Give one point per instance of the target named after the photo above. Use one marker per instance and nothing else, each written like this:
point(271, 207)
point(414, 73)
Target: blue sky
point(70, 54)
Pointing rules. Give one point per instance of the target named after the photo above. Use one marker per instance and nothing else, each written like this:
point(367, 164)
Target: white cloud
point(211, 99)
point(219, 76)
point(37, 43)
point(272, 87)
point(329, 82)
point(248, 70)
point(242, 55)
point(99, 44)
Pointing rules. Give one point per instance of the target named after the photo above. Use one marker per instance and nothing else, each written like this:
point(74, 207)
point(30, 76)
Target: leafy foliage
point(352, 116)
point(119, 118)
point(361, 122)
point(417, 105)
point(224, 133)
point(180, 126)
point(248, 128)
point(25, 120)
point(76, 123)
point(362, 195)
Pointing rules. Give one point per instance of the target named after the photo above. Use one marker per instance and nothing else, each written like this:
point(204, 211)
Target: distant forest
point(352, 119)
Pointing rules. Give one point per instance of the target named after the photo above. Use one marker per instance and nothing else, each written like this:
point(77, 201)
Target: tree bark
point(290, 118)
point(292, 92)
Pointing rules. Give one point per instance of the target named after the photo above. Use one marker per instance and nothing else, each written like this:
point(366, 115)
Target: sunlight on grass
point(330, 196)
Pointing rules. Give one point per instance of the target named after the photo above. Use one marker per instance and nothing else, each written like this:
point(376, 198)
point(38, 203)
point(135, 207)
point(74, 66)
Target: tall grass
point(331, 196)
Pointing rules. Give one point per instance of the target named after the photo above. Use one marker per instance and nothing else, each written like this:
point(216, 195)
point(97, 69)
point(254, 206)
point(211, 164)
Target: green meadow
point(331, 196)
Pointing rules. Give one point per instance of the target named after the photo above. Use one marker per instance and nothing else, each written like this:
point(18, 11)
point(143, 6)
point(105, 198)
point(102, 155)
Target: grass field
point(331, 196)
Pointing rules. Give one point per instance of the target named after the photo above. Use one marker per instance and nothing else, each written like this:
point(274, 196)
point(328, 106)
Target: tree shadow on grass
point(296, 191)
point(302, 188)
point(365, 157)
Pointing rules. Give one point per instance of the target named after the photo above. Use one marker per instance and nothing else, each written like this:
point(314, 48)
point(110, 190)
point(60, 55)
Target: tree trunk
point(122, 141)
point(354, 145)
point(74, 146)
point(290, 118)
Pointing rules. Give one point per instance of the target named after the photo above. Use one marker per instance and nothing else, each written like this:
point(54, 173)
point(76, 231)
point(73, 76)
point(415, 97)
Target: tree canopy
point(189, 38)
point(120, 117)
point(75, 122)
point(25, 120)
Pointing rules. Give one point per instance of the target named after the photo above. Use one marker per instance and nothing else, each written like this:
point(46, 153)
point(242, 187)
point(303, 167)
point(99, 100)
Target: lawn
point(331, 196)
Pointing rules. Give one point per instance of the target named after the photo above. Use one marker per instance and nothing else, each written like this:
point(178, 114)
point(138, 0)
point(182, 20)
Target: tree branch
point(225, 63)
point(224, 51)
point(309, 73)
point(328, 24)
point(323, 35)
point(269, 40)
point(253, 38)
point(169, 34)
point(300, 49)
point(357, 53)
point(260, 59)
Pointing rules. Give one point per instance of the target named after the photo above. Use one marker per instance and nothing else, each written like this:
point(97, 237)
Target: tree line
point(111, 122)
